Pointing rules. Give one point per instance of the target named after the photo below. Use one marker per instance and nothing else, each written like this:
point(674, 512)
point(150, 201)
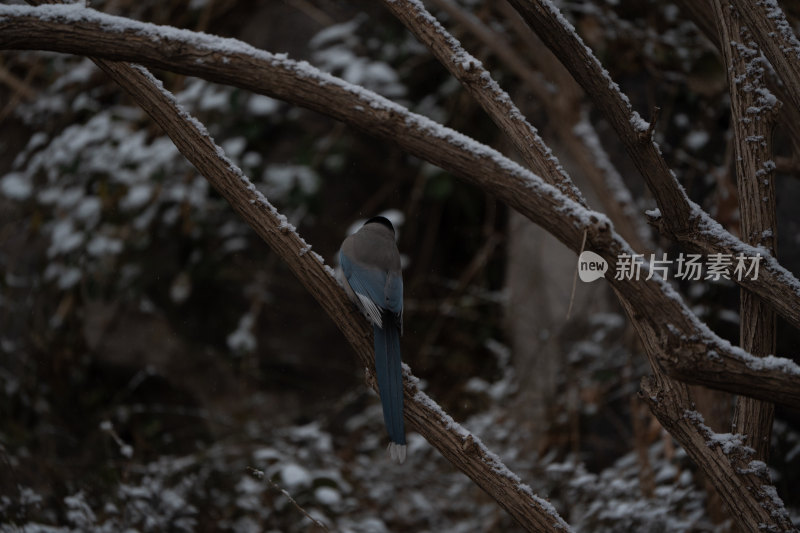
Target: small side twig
point(261, 476)
point(647, 135)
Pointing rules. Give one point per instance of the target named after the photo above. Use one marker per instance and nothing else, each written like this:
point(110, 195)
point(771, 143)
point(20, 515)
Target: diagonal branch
point(680, 218)
point(481, 86)
point(572, 126)
point(746, 487)
point(460, 447)
point(559, 35)
point(683, 345)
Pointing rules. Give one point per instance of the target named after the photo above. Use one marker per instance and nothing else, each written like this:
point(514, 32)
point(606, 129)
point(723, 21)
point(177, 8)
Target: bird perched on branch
point(370, 265)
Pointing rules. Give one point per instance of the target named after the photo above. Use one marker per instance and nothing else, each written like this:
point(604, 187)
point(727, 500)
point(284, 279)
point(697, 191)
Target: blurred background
point(161, 370)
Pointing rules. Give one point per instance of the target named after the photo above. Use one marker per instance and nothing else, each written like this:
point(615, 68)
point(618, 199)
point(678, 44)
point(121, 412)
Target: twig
point(261, 476)
point(572, 127)
point(647, 135)
point(575, 277)
point(473, 268)
point(673, 336)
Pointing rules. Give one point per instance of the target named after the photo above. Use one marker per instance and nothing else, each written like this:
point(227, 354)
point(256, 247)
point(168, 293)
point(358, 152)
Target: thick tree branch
point(752, 119)
point(686, 348)
point(460, 447)
point(743, 483)
point(681, 219)
point(560, 37)
point(741, 479)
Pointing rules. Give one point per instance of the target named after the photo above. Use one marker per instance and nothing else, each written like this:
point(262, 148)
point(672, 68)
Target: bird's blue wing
point(369, 285)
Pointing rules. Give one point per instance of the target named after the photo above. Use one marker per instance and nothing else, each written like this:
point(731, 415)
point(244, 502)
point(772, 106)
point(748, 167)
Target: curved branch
point(459, 446)
point(681, 219)
point(572, 128)
point(683, 345)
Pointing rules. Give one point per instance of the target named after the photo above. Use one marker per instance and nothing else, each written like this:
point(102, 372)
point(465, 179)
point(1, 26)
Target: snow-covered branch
point(460, 447)
point(702, 14)
point(753, 112)
point(768, 24)
point(674, 338)
point(574, 130)
point(742, 480)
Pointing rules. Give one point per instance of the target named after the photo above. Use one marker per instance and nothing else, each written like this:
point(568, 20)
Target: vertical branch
point(702, 14)
point(768, 24)
point(752, 119)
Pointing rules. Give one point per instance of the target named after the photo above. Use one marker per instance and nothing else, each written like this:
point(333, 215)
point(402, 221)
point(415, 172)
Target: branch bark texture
point(753, 109)
point(741, 479)
point(459, 446)
point(774, 34)
point(703, 15)
point(462, 449)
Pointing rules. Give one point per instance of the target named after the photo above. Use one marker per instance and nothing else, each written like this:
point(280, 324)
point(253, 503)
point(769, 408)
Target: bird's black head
point(380, 220)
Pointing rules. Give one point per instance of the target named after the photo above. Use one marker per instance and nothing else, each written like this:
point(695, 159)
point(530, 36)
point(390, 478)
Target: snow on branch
point(766, 20)
point(684, 345)
point(753, 113)
point(741, 479)
point(674, 337)
point(702, 14)
point(573, 129)
point(746, 490)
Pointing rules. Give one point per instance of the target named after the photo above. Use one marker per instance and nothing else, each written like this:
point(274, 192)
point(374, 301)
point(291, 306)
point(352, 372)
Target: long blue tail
point(390, 377)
